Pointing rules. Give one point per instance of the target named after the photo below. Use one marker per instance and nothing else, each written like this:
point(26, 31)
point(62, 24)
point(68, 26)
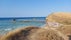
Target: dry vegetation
point(33, 33)
point(66, 29)
point(45, 34)
point(61, 18)
point(64, 18)
point(20, 34)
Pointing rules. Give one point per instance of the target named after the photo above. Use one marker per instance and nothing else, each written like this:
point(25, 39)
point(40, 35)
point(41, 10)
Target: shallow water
point(7, 25)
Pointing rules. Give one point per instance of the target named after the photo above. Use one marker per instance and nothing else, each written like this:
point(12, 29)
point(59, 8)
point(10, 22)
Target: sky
point(33, 8)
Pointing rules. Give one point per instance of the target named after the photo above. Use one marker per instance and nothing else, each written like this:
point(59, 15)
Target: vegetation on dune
point(20, 34)
point(45, 34)
point(32, 33)
point(66, 29)
point(63, 18)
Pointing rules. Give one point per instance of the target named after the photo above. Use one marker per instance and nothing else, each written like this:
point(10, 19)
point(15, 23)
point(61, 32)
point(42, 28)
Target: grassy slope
point(62, 18)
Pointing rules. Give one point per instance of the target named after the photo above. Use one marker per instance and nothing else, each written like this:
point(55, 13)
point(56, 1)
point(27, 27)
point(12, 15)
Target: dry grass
point(66, 29)
point(20, 34)
point(61, 17)
point(32, 33)
point(44, 34)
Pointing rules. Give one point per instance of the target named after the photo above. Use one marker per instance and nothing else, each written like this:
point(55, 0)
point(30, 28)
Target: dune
point(20, 34)
point(61, 21)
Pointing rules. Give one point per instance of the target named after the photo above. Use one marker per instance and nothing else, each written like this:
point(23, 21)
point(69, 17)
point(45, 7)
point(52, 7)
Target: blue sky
point(33, 8)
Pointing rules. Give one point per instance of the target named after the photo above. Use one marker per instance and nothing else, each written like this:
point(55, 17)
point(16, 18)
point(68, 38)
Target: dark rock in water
point(14, 19)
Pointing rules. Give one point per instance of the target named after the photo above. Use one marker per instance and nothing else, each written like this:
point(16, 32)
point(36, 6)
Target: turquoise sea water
point(8, 24)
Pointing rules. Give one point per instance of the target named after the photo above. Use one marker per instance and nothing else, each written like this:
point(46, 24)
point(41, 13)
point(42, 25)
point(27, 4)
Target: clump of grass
point(66, 29)
point(20, 34)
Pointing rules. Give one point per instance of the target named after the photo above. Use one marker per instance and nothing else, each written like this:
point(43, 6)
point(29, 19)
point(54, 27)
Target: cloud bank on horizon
point(32, 8)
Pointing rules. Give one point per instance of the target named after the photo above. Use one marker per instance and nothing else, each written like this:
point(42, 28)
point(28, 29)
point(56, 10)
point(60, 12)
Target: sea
point(12, 23)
